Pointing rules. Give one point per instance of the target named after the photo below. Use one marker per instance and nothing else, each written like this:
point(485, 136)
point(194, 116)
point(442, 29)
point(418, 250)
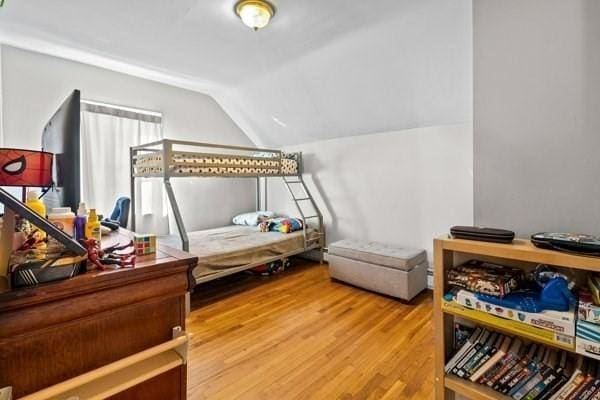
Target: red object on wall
point(25, 168)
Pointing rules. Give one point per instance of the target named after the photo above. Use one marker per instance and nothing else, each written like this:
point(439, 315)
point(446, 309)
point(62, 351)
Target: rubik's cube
point(144, 244)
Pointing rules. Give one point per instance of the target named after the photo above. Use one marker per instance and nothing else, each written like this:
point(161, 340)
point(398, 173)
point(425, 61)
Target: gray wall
point(34, 85)
point(537, 115)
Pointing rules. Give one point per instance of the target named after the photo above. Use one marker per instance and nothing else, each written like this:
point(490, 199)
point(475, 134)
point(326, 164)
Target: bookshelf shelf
point(506, 326)
point(449, 252)
point(472, 390)
point(524, 251)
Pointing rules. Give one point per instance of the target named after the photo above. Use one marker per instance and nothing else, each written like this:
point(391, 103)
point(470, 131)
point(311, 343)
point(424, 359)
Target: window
point(107, 133)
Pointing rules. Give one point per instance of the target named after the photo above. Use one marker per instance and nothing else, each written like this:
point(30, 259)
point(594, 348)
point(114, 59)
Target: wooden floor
point(300, 336)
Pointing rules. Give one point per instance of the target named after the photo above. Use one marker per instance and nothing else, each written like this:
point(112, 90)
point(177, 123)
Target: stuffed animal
point(264, 225)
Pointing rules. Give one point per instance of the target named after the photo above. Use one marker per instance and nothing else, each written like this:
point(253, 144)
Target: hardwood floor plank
point(300, 335)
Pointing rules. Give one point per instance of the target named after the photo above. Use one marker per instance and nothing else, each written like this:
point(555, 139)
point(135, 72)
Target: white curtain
point(107, 133)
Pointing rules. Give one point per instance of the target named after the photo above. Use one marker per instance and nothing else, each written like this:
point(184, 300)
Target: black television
point(61, 137)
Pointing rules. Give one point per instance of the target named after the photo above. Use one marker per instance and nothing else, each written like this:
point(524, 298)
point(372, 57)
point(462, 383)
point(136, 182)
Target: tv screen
point(61, 137)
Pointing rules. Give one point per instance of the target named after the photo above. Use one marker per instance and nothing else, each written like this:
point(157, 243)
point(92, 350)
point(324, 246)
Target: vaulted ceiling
point(322, 68)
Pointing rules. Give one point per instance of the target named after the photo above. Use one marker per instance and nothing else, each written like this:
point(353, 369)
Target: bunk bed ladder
point(185, 242)
point(299, 198)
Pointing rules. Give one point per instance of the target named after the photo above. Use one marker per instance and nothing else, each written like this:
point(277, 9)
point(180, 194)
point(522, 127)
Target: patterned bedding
point(217, 164)
point(236, 245)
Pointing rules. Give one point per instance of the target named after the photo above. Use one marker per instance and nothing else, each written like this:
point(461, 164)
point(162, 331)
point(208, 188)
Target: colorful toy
point(283, 225)
point(144, 244)
point(100, 258)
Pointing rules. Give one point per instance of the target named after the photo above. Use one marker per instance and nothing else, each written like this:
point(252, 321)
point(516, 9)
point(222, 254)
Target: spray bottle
point(80, 222)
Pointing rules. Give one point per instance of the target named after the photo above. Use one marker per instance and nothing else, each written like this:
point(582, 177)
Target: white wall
point(34, 85)
point(403, 187)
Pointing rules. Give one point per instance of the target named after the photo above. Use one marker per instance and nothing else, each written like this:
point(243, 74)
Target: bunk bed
point(228, 250)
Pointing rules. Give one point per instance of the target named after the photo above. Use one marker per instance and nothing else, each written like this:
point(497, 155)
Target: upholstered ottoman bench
point(392, 270)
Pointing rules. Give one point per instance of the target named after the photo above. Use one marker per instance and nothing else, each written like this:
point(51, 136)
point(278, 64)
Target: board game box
point(543, 335)
point(562, 322)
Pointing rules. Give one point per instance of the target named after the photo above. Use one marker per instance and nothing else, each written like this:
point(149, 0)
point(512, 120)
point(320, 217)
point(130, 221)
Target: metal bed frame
point(168, 147)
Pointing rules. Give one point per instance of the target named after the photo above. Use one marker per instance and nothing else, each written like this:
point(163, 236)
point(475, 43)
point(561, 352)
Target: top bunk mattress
point(199, 164)
point(234, 246)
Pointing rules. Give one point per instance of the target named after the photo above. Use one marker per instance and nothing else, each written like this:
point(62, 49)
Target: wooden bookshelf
point(449, 252)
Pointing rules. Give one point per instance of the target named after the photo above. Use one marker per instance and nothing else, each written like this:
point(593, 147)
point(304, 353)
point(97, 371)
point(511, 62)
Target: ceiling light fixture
point(255, 14)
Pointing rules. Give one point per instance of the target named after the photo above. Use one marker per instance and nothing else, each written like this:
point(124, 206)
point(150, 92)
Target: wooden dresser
point(55, 332)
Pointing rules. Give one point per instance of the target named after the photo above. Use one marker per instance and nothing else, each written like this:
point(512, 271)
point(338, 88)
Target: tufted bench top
point(392, 256)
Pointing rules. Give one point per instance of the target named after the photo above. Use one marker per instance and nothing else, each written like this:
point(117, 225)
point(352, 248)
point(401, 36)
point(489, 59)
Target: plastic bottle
point(92, 228)
point(63, 218)
point(36, 204)
point(81, 221)
point(38, 207)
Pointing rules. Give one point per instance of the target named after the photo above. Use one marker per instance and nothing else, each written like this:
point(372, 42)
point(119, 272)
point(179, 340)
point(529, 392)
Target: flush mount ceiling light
point(255, 14)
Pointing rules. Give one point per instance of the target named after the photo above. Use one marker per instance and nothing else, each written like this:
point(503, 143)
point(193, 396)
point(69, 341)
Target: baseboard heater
point(120, 375)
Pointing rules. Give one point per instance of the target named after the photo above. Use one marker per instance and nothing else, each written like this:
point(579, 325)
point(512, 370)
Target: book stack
point(588, 323)
point(521, 370)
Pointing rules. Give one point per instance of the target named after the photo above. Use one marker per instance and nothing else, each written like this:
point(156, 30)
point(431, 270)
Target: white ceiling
point(322, 69)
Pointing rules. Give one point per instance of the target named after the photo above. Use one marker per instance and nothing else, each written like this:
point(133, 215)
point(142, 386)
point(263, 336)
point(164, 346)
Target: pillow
point(252, 218)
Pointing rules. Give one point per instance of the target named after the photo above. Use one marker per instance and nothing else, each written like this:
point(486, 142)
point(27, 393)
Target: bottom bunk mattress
point(234, 246)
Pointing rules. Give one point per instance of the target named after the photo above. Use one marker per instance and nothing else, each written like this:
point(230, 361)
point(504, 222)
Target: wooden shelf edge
point(521, 250)
point(500, 325)
point(122, 380)
point(120, 375)
point(470, 390)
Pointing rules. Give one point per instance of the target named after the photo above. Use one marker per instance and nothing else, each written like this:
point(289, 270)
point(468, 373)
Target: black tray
point(482, 234)
point(568, 242)
point(34, 273)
